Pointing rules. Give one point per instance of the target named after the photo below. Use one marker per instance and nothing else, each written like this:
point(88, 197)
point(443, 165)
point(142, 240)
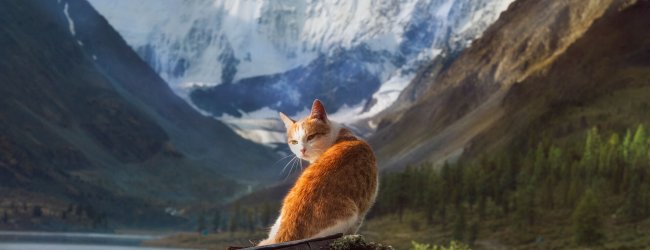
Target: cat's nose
point(303, 150)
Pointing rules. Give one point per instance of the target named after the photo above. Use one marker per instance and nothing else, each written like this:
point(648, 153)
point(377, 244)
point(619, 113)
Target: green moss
point(357, 242)
point(454, 245)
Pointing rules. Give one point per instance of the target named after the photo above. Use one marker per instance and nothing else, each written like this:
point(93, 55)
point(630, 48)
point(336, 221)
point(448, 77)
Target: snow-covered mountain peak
point(234, 57)
point(190, 41)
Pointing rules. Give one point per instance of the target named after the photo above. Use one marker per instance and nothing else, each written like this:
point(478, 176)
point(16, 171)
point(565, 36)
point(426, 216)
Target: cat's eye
point(293, 142)
point(312, 136)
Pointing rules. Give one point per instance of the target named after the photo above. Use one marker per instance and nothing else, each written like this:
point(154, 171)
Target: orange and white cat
point(335, 192)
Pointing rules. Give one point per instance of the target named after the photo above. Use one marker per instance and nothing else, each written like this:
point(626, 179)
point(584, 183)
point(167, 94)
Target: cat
point(334, 193)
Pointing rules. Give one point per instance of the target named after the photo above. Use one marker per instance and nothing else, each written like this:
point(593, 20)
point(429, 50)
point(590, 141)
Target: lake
point(74, 241)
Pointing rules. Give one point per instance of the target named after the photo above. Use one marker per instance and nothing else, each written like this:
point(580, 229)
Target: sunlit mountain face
point(242, 61)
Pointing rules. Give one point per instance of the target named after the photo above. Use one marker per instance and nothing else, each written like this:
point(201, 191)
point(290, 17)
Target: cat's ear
point(287, 121)
point(318, 111)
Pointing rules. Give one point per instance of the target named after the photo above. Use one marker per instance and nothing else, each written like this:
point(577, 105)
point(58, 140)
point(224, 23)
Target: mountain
point(87, 127)
point(508, 84)
point(242, 61)
point(600, 81)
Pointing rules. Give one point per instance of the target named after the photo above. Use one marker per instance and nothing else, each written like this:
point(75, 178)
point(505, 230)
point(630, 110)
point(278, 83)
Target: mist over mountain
point(86, 123)
point(242, 61)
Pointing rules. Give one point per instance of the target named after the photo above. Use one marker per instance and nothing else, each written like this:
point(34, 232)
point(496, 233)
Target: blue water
point(64, 246)
point(73, 241)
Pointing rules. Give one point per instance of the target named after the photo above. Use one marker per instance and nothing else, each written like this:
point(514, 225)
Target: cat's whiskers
point(297, 163)
point(285, 165)
point(276, 162)
point(292, 166)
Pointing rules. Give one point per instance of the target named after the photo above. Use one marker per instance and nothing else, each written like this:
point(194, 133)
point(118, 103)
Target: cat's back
point(348, 152)
point(348, 146)
point(347, 169)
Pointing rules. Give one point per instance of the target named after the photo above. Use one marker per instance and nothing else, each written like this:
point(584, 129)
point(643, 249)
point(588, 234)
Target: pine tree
point(638, 147)
point(201, 223)
point(554, 164)
point(37, 211)
point(625, 149)
point(470, 180)
point(216, 221)
point(632, 206)
point(267, 212)
point(387, 200)
point(472, 234)
point(644, 194)
point(447, 183)
point(5, 217)
point(612, 163)
point(482, 207)
point(442, 211)
point(587, 224)
point(446, 187)
point(555, 160)
point(485, 187)
point(460, 225)
point(507, 181)
point(78, 211)
point(589, 161)
point(575, 185)
point(234, 219)
point(539, 165)
point(403, 193)
point(526, 209)
point(250, 221)
point(433, 200)
point(458, 185)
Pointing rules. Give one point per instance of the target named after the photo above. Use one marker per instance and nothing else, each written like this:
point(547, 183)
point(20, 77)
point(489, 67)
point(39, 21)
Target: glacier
point(243, 60)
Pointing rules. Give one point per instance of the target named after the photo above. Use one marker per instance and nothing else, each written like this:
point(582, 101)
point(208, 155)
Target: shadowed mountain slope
point(83, 120)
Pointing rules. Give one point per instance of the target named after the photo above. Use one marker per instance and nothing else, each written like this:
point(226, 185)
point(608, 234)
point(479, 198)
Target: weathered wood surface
point(308, 244)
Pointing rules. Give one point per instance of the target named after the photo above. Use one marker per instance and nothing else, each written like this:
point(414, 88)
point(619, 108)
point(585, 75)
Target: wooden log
point(307, 244)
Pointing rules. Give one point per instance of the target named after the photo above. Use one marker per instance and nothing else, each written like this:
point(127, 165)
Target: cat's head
point(309, 137)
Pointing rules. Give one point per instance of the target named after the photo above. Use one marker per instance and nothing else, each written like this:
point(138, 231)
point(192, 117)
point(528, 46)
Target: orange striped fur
point(334, 193)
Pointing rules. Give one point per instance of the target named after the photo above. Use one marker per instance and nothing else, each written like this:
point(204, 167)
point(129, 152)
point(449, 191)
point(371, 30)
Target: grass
point(389, 230)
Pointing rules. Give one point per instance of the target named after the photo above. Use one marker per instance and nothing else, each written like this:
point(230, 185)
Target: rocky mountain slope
point(244, 60)
point(466, 98)
point(602, 80)
point(86, 123)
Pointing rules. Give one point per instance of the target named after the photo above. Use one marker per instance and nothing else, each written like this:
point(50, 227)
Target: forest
point(576, 189)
